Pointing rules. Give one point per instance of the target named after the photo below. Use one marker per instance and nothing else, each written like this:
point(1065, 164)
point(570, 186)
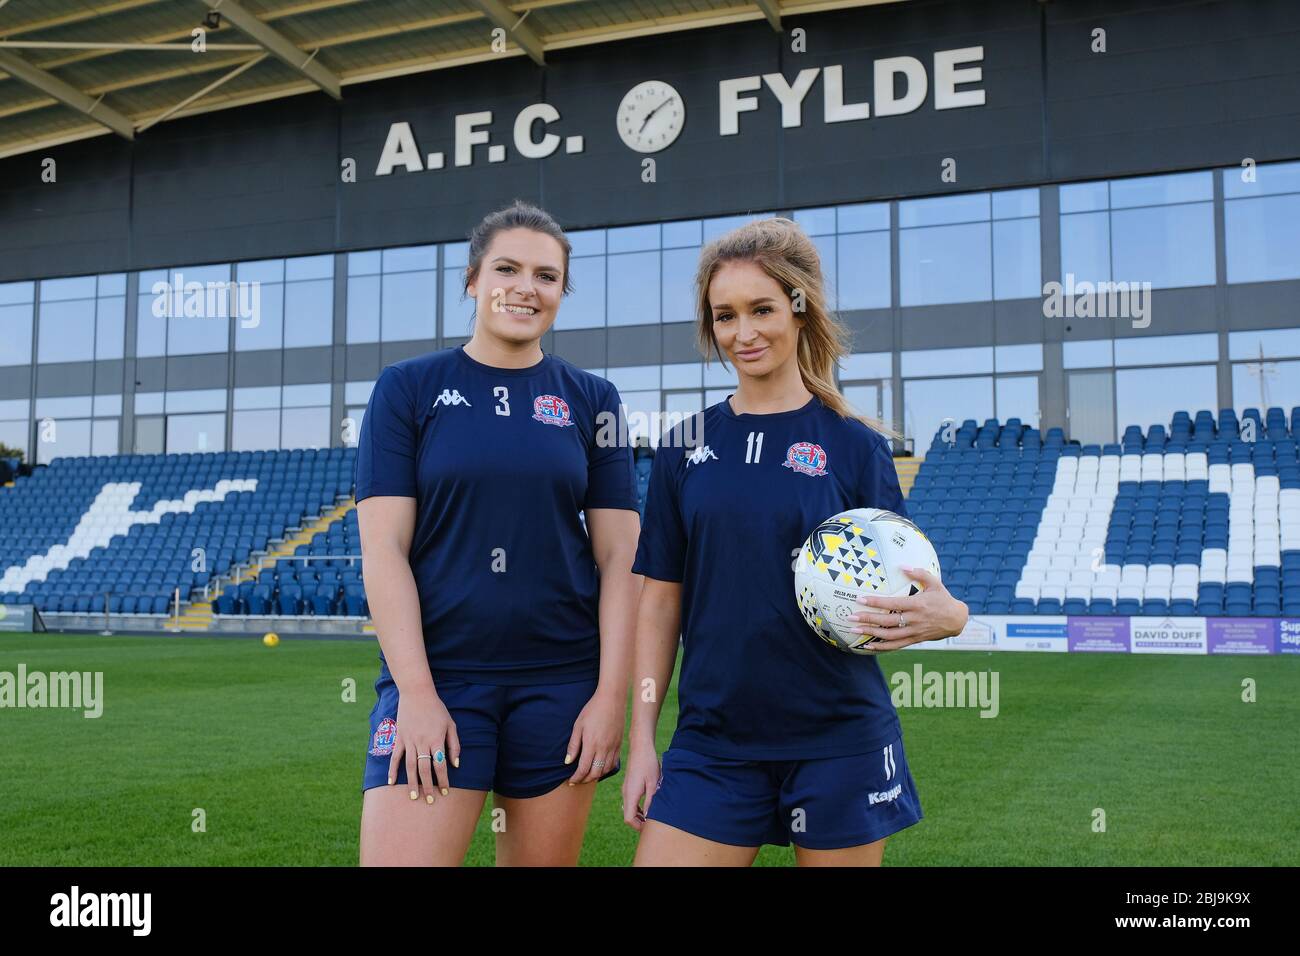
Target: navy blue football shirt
point(500, 463)
point(726, 519)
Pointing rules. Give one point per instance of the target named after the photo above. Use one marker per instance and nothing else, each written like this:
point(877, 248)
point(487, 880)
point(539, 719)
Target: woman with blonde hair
point(780, 737)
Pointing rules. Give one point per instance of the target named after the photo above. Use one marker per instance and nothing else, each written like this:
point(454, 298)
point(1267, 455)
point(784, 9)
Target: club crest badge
point(552, 410)
point(806, 458)
point(385, 733)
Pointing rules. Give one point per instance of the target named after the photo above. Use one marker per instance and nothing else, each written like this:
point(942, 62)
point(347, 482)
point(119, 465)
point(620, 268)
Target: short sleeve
point(661, 552)
point(878, 486)
point(611, 473)
point(386, 450)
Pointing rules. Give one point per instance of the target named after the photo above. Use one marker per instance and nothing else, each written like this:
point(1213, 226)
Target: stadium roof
point(72, 69)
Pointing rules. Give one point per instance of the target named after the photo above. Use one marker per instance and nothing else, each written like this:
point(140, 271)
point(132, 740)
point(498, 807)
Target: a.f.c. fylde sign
point(652, 113)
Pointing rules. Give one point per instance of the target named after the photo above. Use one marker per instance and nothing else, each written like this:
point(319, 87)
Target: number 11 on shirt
point(753, 448)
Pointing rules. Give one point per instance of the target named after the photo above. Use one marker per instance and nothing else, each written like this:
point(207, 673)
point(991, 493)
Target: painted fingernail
point(414, 795)
point(444, 793)
point(429, 797)
point(390, 781)
point(455, 762)
point(568, 758)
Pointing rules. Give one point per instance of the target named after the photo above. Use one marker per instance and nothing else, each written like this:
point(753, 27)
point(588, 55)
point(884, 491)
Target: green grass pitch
point(1186, 772)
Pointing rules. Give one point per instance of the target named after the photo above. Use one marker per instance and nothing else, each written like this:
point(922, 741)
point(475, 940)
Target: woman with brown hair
point(780, 737)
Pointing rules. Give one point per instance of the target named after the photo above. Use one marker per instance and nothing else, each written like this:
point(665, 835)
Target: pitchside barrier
point(1127, 635)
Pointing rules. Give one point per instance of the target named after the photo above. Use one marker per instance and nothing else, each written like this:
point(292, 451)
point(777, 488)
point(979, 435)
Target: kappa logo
point(885, 796)
point(385, 734)
point(552, 410)
point(806, 458)
point(451, 396)
point(700, 455)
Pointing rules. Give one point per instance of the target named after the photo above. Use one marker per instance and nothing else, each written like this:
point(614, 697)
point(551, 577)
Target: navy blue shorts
point(828, 803)
point(512, 738)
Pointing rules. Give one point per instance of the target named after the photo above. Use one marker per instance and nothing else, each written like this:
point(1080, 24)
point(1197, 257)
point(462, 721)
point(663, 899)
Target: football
point(852, 554)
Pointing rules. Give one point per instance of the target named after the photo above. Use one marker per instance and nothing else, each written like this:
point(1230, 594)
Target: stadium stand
point(125, 533)
point(1202, 518)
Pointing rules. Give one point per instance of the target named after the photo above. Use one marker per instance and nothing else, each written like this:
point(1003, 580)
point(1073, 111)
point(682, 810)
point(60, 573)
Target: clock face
point(651, 116)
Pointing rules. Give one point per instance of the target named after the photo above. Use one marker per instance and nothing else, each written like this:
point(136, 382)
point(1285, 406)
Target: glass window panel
point(683, 375)
point(1088, 353)
point(1085, 247)
point(103, 436)
point(107, 406)
point(1084, 197)
point(1270, 178)
point(826, 254)
point(457, 307)
point(1017, 259)
point(1017, 397)
point(940, 210)
point(1279, 387)
point(716, 374)
point(66, 406)
point(309, 267)
point(863, 217)
point(262, 270)
point(352, 435)
point(946, 361)
point(1167, 349)
point(187, 433)
point(301, 396)
point(110, 327)
point(714, 395)
point(687, 232)
point(67, 332)
point(148, 436)
point(265, 330)
point(207, 333)
point(941, 264)
point(363, 309)
point(864, 399)
point(196, 400)
point(634, 288)
point(455, 254)
point(1150, 396)
point(14, 434)
point(148, 403)
point(12, 408)
point(68, 438)
point(633, 238)
point(1015, 203)
point(151, 307)
point(1018, 358)
point(721, 225)
point(309, 313)
point(409, 306)
point(1161, 190)
point(305, 428)
point(866, 365)
point(15, 334)
point(648, 422)
point(864, 278)
point(927, 403)
point(634, 377)
point(679, 267)
point(16, 293)
point(1167, 246)
point(112, 284)
point(60, 290)
point(678, 406)
point(357, 393)
point(410, 259)
point(585, 308)
point(261, 396)
point(1091, 412)
point(588, 242)
point(1274, 343)
point(816, 222)
point(255, 430)
point(1262, 238)
point(365, 263)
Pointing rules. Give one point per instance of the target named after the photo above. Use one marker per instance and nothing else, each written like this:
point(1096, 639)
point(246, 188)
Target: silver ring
point(424, 757)
point(597, 764)
point(902, 620)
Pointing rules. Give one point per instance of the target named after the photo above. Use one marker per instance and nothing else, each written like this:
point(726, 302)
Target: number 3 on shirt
point(753, 448)
point(503, 399)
